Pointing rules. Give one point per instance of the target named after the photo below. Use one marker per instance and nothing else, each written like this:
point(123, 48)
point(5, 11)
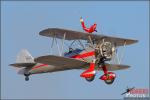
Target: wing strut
point(90, 39)
point(52, 45)
point(60, 49)
point(82, 45)
point(119, 59)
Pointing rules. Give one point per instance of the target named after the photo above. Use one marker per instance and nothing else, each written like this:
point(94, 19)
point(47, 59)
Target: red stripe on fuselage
point(39, 66)
point(84, 55)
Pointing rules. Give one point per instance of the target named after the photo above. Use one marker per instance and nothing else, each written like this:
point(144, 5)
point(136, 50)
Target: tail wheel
point(90, 79)
point(109, 81)
point(27, 78)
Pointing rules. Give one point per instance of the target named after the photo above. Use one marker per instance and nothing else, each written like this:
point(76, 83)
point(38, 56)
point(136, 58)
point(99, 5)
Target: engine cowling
point(105, 50)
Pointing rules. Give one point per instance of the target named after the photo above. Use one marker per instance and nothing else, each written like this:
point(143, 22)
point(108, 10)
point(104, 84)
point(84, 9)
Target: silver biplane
point(96, 53)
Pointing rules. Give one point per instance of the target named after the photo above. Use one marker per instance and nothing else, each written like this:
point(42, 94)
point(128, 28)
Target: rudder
point(24, 57)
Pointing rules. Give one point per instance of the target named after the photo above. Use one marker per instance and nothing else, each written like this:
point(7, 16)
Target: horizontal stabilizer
point(20, 65)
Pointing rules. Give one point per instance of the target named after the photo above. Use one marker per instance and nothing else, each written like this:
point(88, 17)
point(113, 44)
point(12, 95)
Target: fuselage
point(80, 54)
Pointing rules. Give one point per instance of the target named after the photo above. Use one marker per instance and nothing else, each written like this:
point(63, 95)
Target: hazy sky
point(22, 21)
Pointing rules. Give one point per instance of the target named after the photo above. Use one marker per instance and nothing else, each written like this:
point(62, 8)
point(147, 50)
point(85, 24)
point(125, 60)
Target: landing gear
point(108, 77)
point(90, 79)
point(89, 74)
point(26, 76)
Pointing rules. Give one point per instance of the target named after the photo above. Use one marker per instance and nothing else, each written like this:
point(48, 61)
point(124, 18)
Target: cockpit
point(72, 52)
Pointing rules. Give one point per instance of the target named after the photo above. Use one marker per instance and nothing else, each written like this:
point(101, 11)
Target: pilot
point(70, 50)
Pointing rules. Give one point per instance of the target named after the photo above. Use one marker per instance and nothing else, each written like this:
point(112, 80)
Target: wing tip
point(13, 65)
point(135, 41)
point(10, 64)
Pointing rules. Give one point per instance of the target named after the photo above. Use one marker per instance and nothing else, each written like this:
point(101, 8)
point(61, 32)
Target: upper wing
point(61, 63)
point(73, 35)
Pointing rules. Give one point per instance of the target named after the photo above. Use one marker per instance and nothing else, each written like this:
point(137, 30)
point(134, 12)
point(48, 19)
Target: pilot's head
point(70, 50)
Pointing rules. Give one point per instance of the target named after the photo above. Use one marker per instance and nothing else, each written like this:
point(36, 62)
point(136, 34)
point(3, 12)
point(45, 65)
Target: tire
point(109, 81)
point(90, 79)
point(26, 78)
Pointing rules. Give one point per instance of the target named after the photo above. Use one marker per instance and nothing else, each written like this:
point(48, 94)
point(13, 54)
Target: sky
point(22, 21)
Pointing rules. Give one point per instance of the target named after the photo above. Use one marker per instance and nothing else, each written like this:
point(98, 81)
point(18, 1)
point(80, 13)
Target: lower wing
point(64, 63)
point(114, 67)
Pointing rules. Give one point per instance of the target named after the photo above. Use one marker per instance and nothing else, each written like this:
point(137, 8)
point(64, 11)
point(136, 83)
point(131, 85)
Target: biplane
point(128, 90)
point(95, 54)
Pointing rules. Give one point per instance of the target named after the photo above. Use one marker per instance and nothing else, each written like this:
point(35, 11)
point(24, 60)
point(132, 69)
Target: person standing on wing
point(89, 30)
point(89, 74)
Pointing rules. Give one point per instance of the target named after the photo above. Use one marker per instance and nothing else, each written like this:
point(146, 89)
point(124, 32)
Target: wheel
point(90, 79)
point(109, 81)
point(27, 78)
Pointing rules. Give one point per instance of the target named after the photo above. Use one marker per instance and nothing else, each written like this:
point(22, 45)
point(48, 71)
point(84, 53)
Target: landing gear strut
point(89, 74)
point(27, 76)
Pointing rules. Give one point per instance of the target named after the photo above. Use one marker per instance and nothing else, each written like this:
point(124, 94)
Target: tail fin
point(24, 60)
point(24, 57)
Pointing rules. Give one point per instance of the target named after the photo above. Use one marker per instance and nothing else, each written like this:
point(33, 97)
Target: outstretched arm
point(89, 30)
point(82, 23)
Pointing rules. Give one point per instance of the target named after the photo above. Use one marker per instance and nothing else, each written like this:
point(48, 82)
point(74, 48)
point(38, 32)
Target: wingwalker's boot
point(89, 72)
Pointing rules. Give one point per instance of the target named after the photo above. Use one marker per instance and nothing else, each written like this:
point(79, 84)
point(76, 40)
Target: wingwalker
point(87, 51)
